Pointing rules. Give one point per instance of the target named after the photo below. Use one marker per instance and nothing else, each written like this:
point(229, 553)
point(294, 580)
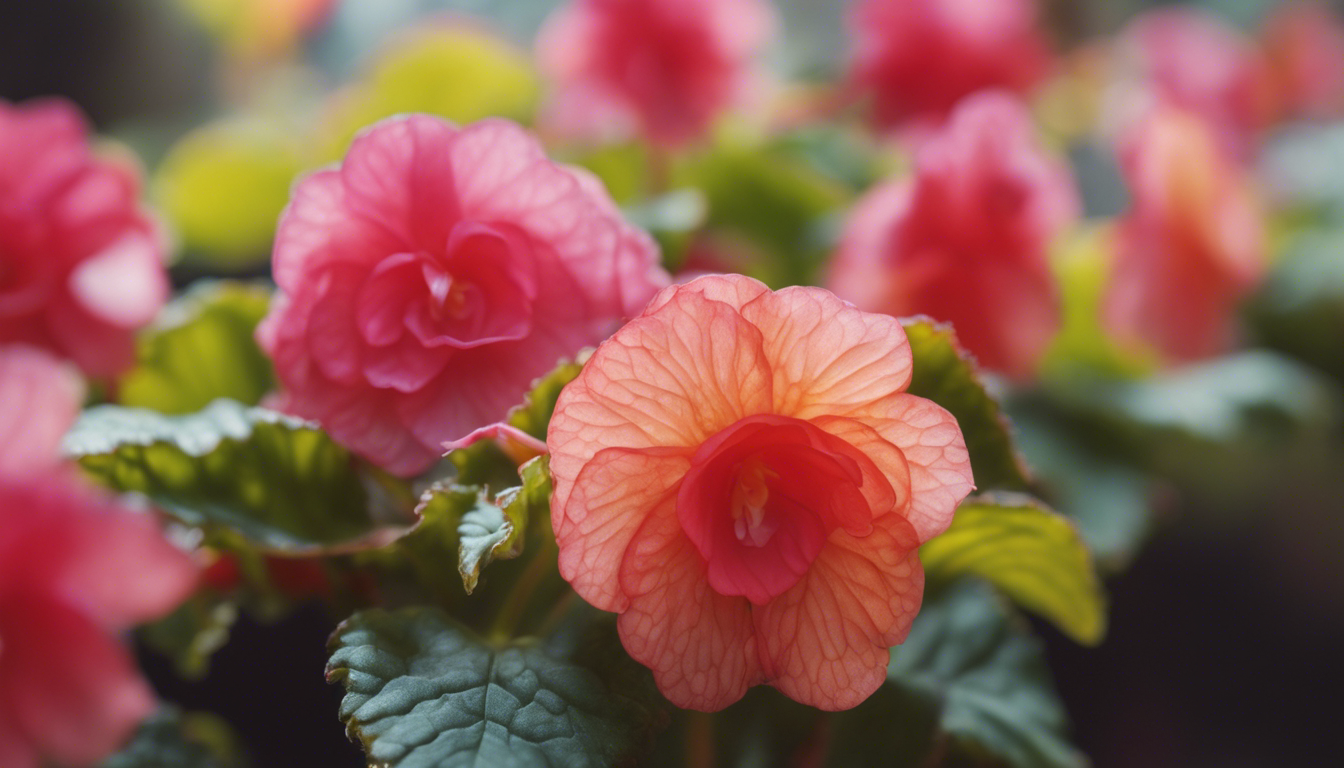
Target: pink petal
point(931, 441)
point(73, 691)
point(318, 228)
point(39, 400)
point(827, 357)
point(667, 380)
point(615, 492)
point(698, 643)
point(400, 173)
point(825, 641)
point(124, 284)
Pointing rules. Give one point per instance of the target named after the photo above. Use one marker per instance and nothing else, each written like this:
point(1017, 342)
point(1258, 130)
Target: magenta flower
point(75, 570)
point(918, 58)
point(741, 476)
point(965, 240)
point(662, 68)
point(81, 263)
point(432, 276)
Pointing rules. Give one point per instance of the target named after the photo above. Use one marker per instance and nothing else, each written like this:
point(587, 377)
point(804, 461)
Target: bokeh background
point(1227, 627)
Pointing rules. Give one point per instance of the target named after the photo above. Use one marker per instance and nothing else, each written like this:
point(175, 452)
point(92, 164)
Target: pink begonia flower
point(918, 58)
point(662, 68)
point(1188, 59)
point(81, 263)
point(740, 475)
point(1304, 47)
point(1192, 244)
point(75, 570)
point(965, 240)
point(431, 277)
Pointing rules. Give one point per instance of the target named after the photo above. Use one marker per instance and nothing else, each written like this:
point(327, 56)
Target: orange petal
point(827, 356)
point(670, 380)
point(734, 290)
point(934, 449)
point(613, 495)
point(825, 641)
point(698, 643)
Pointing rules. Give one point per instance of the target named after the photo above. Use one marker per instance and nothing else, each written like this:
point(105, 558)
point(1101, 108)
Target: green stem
point(511, 613)
point(699, 740)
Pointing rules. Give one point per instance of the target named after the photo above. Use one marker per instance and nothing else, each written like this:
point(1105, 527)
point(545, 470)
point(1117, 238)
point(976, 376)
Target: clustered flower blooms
point(75, 569)
point(81, 263)
point(431, 277)
point(740, 475)
point(966, 238)
point(661, 68)
point(1191, 246)
point(918, 58)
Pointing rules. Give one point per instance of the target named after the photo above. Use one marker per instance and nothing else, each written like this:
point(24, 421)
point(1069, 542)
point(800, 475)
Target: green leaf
point(190, 635)
point(1300, 308)
point(1032, 554)
point(986, 679)
point(200, 350)
point(495, 530)
point(1108, 499)
point(779, 203)
point(276, 482)
point(422, 691)
point(947, 375)
point(171, 739)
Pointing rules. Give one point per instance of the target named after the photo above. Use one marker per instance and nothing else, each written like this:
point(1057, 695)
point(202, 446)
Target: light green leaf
point(986, 678)
point(1032, 554)
point(278, 483)
point(947, 375)
point(200, 350)
point(171, 739)
point(496, 531)
point(422, 691)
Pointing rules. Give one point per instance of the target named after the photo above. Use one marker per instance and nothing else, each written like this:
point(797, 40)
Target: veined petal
point(826, 356)
point(825, 641)
point(699, 644)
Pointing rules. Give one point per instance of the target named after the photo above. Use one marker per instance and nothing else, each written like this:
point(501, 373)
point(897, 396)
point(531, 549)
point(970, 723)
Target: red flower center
point(762, 497)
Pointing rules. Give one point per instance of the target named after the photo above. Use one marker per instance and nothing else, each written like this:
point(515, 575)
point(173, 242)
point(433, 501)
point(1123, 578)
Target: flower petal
point(400, 174)
point(825, 641)
point(827, 356)
point(39, 400)
point(698, 643)
point(934, 449)
point(613, 495)
point(666, 380)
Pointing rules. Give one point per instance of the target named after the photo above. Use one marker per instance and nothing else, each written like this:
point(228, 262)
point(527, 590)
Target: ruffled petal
point(39, 400)
point(667, 380)
point(828, 357)
point(614, 494)
point(400, 174)
point(825, 641)
point(699, 644)
point(935, 450)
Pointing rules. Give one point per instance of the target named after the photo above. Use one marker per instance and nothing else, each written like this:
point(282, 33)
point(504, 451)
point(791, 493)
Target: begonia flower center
point(763, 496)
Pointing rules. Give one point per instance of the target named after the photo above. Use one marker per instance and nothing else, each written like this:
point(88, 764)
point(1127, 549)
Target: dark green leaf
point(277, 482)
point(985, 677)
point(190, 635)
point(1300, 308)
point(171, 739)
point(1032, 554)
point(200, 350)
point(424, 692)
point(947, 375)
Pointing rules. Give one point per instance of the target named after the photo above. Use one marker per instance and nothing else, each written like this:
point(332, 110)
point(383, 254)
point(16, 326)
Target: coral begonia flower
point(1187, 59)
point(1191, 246)
point(75, 570)
point(740, 475)
point(81, 263)
point(918, 58)
point(432, 276)
point(966, 239)
point(662, 68)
